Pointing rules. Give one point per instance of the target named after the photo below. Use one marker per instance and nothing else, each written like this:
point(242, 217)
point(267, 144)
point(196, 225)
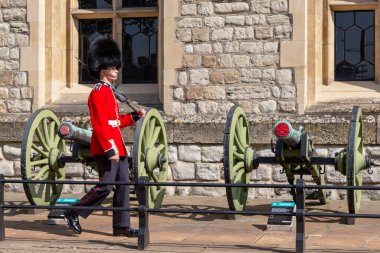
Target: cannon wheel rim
point(355, 152)
point(236, 121)
point(42, 126)
point(150, 131)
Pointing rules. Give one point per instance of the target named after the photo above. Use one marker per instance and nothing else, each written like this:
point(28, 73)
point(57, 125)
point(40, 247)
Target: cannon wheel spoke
point(355, 159)
point(236, 140)
point(150, 133)
point(40, 137)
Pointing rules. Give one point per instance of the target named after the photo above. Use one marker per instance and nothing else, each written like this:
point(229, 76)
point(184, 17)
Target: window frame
point(117, 14)
point(329, 37)
point(310, 55)
point(79, 55)
point(328, 89)
point(346, 79)
point(155, 40)
point(52, 67)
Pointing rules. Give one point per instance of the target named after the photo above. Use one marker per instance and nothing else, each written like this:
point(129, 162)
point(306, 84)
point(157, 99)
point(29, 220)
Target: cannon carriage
point(43, 154)
point(294, 151)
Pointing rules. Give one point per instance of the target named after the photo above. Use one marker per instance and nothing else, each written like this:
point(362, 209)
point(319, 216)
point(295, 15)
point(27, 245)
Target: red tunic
point(107, 122)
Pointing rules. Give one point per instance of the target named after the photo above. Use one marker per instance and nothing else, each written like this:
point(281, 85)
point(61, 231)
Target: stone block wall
point(231, 55)
point(15, 95)
point(203, 163)
point(196, 152)
point(191, 163)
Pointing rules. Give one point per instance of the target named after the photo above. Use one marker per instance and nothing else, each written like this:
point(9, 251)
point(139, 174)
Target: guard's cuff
point(111, 152)
point(135, 116)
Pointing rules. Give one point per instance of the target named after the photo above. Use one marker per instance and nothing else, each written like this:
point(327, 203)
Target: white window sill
point(341, 91)
point(144, 94)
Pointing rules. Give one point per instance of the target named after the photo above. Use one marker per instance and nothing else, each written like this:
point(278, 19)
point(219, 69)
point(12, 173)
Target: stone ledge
point(325, 129)
point(371, 106)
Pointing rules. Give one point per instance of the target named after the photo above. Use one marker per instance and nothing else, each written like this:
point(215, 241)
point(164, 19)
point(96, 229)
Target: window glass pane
point(139, 3)
point(95, 4)
point(140, 50)
point(344, 20)
point(90, 30)
point(354, 46)
point(370, 45)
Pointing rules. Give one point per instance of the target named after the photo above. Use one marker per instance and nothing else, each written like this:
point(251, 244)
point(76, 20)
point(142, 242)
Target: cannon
point(294, 151)
point(43, 154)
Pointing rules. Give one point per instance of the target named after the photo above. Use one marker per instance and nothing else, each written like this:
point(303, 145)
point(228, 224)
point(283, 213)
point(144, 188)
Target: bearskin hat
point(104, 53)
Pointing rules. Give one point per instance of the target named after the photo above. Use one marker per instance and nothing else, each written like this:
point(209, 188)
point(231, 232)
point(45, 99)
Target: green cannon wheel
point(150, 154)
point(40, 151)
point(238, 157)
point(356, 159)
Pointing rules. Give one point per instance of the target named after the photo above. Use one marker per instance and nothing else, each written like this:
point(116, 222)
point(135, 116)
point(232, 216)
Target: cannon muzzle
point(68, 131)
point(284, 131)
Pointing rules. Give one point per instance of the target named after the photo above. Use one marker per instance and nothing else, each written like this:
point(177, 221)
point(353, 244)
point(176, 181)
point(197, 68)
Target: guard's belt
point(114, 123)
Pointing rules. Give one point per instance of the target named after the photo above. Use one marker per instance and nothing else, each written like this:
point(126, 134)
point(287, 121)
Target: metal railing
point(141, 188)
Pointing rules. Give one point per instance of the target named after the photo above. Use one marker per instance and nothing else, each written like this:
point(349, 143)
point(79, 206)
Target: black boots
point(73, 221)
point(128, 231)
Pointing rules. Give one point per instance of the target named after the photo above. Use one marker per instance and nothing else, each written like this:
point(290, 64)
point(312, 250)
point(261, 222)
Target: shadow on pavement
point(202, 216)
point(113, 244)
point(41, 226)
point(222, 248)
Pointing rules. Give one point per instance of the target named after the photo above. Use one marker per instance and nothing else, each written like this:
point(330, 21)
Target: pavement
point(28, 231)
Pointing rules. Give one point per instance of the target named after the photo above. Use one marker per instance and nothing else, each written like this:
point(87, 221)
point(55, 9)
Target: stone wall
point(202, 163)
point(196, 151)
point(15, 95)
point(231, 55)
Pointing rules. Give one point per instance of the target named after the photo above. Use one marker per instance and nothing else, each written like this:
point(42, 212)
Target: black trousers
point(109, 172)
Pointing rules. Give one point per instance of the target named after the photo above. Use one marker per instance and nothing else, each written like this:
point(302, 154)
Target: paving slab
point(192, 233)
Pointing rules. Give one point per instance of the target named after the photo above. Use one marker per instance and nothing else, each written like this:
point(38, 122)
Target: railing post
point(142, 193)
point(300, 217)
point(2, 226)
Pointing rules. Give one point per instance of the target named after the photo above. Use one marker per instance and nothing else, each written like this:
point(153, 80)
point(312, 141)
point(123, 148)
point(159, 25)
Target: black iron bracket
point(2, 225)
point(300, 217)
point(142, 196)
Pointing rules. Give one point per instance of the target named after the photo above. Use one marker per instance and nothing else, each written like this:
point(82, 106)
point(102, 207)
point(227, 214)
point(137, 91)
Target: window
point(61, 32)
point(349, 58)
point(140, 50)
point(354, 46)
point(134, 25)
point(89, 30)
point(333, 53)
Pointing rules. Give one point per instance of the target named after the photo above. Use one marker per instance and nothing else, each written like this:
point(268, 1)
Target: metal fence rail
point(142, 189)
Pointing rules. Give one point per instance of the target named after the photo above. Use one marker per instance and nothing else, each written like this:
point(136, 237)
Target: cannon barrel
point(68, 131)
point(284, 131)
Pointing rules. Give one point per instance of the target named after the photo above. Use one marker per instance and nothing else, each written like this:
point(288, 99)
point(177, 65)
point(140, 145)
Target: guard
point(107, 145)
